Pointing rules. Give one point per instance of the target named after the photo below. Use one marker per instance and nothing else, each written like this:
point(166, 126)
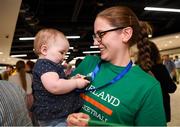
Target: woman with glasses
point(120, 92)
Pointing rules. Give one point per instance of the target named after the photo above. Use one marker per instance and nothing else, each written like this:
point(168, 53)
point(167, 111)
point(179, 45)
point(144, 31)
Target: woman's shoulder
point(143, 77)
point(87, 65)
point(91, 60)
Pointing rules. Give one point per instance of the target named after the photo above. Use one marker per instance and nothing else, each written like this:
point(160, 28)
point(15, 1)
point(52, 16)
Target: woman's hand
point(78, 119)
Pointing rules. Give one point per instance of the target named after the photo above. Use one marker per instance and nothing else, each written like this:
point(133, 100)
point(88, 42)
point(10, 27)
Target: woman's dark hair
point(20, 67)
point(120, 16)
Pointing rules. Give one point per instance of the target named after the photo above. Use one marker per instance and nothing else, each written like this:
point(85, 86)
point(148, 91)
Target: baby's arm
point(55, 85)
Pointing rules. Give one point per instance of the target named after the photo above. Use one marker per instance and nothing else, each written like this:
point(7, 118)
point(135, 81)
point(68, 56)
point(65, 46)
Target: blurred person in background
point(24, 80)
point(170, 66)
point(162, 75)
point(10, 69)
point(1, 77)
point(13, 108)
point(177, 64)
point(159, 71)
point(5, 75)
point(8, 72)
point(29, 66)
point(29, 69)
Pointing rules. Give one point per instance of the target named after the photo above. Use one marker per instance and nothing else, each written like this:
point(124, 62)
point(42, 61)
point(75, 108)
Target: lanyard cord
point(115, 79)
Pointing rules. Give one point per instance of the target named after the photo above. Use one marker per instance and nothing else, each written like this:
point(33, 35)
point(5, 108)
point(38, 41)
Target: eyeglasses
point(99, 35)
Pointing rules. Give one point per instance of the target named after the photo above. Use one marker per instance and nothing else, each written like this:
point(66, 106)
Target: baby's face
point(57, 49)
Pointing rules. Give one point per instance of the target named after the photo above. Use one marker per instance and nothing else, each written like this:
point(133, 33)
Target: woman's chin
point(103, 57)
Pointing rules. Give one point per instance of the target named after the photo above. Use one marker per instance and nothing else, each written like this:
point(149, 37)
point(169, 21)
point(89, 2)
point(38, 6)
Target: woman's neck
point(121, 59)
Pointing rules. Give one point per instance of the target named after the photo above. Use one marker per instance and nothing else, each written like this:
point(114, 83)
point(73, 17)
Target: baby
point(54, 95)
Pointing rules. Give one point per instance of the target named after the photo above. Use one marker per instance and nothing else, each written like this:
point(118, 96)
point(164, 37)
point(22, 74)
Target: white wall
point(9, 10)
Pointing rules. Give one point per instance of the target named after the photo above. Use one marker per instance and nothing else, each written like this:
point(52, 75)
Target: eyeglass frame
point(102, 33)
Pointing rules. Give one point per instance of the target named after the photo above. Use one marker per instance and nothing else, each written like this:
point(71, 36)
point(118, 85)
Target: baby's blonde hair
point(44, 36)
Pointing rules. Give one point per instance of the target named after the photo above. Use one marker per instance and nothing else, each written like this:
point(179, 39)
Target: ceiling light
point(22, 11)
point(100, 4)
point(149, 35)
point(161, 9)
point(87, 52)
point(21, 55)
point(79, 57)
point(71, 47)
point(72, 62)
point(34, 60)
point(72, 37)
point(26, 38)
point(92, 47)
point(68, 53)
point(66, 56)
point(32, 38)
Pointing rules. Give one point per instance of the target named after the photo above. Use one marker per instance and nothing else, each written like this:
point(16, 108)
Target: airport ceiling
point(76, 17)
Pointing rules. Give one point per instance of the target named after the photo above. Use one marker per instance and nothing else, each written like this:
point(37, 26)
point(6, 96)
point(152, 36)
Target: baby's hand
point(78, 76)
point(81, 82)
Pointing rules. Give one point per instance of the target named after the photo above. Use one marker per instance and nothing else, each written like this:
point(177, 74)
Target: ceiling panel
point(76, 17)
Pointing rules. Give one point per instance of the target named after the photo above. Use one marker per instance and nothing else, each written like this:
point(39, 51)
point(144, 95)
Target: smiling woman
point(120, 92)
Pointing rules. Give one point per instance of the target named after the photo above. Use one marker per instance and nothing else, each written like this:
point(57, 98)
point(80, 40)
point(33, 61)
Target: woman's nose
point(96, 42)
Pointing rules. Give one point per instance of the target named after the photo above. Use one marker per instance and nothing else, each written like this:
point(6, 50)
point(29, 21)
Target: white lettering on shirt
point(105, 96)
point(94, 113)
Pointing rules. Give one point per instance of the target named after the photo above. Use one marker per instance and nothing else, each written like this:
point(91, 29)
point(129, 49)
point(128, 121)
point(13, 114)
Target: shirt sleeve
point(152, 112)
point(44, 67)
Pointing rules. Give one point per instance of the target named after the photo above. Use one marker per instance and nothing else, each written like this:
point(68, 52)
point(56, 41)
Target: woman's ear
point(127, 34)
point(44, 49)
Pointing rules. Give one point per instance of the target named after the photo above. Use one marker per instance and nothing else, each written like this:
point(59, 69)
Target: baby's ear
point(44, 49)
point(127, 34)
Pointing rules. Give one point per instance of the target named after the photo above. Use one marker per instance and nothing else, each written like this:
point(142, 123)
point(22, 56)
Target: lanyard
point(115, 79)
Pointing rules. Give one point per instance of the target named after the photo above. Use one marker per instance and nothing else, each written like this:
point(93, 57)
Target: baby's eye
point(62, 53)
